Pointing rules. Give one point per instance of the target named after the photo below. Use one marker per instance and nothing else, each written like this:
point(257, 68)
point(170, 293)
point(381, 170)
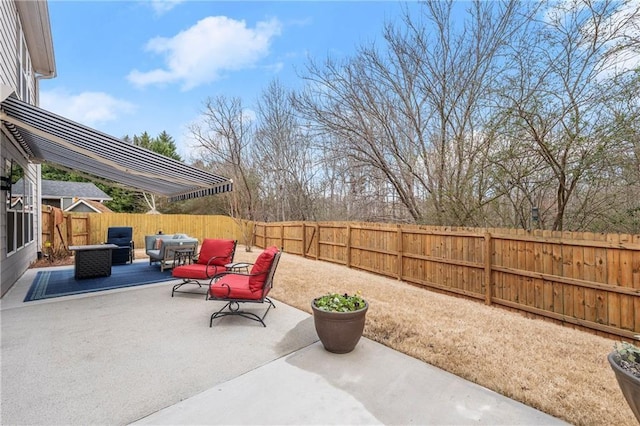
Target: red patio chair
point(235, 288)
point(214, 255)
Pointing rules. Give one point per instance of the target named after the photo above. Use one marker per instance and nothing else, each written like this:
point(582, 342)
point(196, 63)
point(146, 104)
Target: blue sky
point(125, 67)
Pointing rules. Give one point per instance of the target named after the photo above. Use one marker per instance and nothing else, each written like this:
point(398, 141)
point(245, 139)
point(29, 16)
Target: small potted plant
point(339, 320)
point(625, 362)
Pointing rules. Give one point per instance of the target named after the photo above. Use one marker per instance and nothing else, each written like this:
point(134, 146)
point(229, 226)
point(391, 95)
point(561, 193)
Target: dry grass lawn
point(558, 370)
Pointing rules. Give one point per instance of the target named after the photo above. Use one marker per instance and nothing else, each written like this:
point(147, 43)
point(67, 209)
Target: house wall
point(83, 208)
point(16, 70)
point(51, 202)
point(23, 81)
point(63, 203)
point(13, 264)
point(67, 202)
point(8, 44)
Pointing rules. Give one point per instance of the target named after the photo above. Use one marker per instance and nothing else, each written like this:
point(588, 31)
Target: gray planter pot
point(339, 332)
point(629, 384)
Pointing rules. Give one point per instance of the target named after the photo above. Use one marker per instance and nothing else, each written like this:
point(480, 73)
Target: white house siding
point(16, 262)
point(8, 43)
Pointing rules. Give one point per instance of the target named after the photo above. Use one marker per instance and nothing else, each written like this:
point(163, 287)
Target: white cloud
point(163, 6)
point(623, 28)
point(275, 68)
point(620, 30)
point(88, 108)
point(249, 114)
point(204, 52)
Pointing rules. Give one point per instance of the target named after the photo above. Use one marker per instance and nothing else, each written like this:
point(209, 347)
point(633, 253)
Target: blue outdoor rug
point(49, 284)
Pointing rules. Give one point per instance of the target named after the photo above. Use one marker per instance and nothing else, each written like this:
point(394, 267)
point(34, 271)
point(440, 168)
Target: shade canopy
point(50, 138)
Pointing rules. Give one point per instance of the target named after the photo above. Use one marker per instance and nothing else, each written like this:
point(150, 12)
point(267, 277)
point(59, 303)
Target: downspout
point(51, 74)
point(38, 218)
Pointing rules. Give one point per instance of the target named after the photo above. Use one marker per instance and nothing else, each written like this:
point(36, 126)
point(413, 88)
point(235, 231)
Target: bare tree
point(284, 155)
point(414, 113)
point(553, 102)
point(224, 138)
point(450, 121)
point(612, 202)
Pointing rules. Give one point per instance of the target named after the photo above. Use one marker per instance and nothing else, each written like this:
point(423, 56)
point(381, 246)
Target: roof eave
point(34, 17)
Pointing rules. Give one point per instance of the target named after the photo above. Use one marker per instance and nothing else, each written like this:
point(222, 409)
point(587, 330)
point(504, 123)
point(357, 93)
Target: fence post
point(52, 228)
point(487, 268)
point(399, 247)
point(348, 260)
point(282, 236)
point(304, 240)
point(317, 241)
point(69, 219)
point(88, 228)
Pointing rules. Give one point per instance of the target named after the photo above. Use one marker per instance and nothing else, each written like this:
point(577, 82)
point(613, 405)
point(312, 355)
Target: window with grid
point(24, 68)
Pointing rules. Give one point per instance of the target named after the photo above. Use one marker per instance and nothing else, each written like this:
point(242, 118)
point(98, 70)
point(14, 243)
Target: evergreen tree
point(162, 144)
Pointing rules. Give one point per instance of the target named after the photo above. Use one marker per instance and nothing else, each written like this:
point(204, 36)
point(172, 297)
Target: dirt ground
point(559, 370)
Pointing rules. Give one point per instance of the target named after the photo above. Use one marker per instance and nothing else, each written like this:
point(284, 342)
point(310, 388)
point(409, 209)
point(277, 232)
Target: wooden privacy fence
point(91, 228)
point(590, 281)
point(61, 230)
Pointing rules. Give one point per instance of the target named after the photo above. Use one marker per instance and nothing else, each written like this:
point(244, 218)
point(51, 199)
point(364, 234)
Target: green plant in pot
point(625, 362)
point(339, 320)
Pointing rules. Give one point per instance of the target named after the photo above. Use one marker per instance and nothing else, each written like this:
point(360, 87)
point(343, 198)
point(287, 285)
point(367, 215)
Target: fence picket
point(589, 274)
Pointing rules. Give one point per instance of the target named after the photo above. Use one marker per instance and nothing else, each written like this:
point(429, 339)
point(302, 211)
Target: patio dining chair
point(214, 256)
point(122, 236)
point(236, 288)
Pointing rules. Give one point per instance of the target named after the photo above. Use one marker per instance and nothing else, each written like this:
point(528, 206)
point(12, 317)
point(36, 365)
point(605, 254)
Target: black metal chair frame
point(210, 278)
point(233, 305)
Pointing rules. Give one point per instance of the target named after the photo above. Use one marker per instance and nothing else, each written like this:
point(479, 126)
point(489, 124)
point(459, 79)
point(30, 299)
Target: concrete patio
point(137, 355)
